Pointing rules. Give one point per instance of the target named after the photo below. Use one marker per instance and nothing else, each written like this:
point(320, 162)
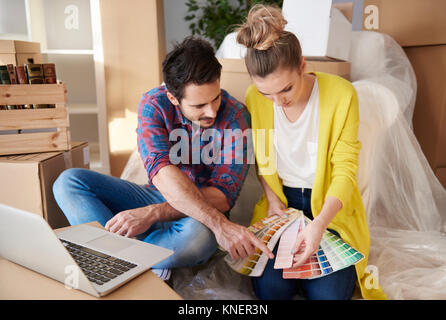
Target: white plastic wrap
point(405, 204)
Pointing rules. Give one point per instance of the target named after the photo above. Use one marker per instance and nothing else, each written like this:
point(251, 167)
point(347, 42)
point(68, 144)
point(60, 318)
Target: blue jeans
point(85, 196)
point(339, 285)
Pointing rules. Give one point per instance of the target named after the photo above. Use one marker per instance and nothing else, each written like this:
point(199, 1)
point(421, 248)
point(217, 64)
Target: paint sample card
point(333, 254)
point(338, 253)
point(284, 257)
point(269, 231)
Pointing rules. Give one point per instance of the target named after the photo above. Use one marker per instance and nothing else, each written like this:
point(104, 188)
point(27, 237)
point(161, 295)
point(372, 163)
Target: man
point(185, 205)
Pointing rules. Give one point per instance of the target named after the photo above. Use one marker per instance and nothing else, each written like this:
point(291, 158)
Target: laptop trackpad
point(110, 243)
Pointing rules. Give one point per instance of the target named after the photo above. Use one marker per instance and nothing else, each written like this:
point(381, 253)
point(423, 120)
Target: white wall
point(13, 19)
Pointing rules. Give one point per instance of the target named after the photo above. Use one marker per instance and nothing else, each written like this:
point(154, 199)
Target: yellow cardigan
point(337, 164)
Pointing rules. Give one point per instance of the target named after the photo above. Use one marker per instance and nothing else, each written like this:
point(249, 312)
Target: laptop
point(83, 257)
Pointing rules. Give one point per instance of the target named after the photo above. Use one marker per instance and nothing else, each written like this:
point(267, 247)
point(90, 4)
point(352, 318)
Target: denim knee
point(200, 243)
point(192, 242)
point(64, 181)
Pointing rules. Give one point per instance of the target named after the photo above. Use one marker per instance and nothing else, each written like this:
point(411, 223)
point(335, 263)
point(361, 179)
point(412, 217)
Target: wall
point(133, 42)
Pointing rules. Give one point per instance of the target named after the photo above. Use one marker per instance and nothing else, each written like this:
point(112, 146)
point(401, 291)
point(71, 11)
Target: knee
point(67, 181)
point(199, 243)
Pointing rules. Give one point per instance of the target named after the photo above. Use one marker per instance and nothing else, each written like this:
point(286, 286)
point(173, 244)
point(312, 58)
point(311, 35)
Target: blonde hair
point(268, 45)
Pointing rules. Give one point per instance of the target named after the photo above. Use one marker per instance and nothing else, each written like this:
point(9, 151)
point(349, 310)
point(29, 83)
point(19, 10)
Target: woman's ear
point(303, 65)
point(172, 99)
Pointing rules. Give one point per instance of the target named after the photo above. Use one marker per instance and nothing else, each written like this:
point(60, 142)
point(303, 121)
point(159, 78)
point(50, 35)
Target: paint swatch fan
point(333, 254)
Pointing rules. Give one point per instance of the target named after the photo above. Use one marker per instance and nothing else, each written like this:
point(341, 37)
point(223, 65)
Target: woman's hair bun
point(263, 27)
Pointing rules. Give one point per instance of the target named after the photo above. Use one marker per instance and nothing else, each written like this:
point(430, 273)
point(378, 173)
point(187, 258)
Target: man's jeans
point(85, 196)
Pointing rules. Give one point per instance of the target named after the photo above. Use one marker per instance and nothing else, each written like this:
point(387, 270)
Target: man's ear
point(172, 99)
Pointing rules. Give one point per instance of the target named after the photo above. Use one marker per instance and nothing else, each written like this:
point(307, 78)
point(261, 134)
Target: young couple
point(185, 207)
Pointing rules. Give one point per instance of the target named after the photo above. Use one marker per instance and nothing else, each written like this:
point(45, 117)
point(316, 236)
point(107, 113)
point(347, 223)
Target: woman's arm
point(275, 206)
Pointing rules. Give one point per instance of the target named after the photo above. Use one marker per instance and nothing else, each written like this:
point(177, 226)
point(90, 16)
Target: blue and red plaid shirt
point(163, 131)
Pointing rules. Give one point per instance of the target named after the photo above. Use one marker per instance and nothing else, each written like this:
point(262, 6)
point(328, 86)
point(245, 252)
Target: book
point(35, 73)
point(4, 75)
point(49, 74)
point(35, 76)
point(4, 79)
point(12, 74)
point(22, 78)
point(13, 79)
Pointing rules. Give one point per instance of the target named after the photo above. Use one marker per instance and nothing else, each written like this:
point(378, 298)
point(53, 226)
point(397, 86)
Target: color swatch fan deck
point(333, 254)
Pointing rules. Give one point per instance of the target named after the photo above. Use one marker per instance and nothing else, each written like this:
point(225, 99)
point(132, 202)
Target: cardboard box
point(429, 119)
point(19, 52)
point(409, 22)
point(441, 175)
point(27, 180)
point(322, 29)
point(235, 77)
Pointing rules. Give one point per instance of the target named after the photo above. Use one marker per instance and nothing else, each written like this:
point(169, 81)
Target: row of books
point(28, 74)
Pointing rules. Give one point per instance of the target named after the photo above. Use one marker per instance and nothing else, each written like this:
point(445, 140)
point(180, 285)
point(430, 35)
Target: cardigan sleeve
point(344, 159)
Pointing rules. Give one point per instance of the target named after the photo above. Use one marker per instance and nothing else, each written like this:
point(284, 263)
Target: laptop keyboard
point(97, 266)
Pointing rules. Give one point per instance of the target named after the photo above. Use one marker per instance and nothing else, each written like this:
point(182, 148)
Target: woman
point(313, 160)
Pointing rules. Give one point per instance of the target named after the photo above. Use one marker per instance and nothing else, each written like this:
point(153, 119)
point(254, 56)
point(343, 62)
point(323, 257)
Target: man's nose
point(210, 111)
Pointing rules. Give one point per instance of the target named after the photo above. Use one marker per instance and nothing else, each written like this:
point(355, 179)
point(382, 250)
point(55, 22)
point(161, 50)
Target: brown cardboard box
point(19, 52)
point(27, 180)
point(429, 120)
point(409, 22)
point(441, 175)
point(235, 77)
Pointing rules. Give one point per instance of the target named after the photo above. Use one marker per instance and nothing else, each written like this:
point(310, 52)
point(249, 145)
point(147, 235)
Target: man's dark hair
point(191, 61)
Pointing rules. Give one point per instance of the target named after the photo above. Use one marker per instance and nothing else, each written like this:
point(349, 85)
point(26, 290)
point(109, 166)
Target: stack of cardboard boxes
point(325, 42)
point(26, 176)
point(420, 28)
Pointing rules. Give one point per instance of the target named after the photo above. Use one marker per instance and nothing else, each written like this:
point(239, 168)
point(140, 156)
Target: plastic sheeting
point(405, 204)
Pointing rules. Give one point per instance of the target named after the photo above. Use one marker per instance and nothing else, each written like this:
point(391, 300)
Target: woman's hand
point(307, 242)
point(276, 207)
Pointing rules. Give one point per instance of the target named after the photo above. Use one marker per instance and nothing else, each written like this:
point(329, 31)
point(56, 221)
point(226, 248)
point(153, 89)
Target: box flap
point(346, 8)
point(310, 22)
point(49, 172)
point(29, 157)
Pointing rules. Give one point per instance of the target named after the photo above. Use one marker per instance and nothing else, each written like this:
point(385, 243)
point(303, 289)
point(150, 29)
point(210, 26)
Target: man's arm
point(132, 222)
point(185, 197)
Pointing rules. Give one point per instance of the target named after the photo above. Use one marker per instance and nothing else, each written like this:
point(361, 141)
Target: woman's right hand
point(275, 206)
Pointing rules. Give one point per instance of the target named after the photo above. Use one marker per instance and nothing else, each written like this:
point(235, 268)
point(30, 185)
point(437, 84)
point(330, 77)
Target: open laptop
point(82, 257)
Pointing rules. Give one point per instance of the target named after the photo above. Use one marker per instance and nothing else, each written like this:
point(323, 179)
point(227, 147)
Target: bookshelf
point(70, 35)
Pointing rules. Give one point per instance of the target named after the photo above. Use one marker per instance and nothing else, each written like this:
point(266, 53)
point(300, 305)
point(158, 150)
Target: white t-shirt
point(296, 143)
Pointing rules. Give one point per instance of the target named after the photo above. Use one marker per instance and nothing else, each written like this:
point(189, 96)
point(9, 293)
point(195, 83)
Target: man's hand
point(132, 222)
point(239, 241)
